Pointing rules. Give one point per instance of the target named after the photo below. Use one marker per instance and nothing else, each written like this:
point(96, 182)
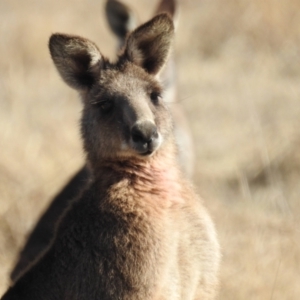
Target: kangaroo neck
point(164, 160)
point(155, 179)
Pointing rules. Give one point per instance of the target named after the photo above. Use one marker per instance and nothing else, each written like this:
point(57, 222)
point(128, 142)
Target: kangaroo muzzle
point(145, 138)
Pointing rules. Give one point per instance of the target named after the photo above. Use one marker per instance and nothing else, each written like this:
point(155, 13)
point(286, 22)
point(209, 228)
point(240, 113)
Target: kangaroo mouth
point(147, 153)
point(146, 149)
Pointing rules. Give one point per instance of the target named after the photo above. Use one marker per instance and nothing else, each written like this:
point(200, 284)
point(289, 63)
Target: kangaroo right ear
point(77, 60)
point(149, 45)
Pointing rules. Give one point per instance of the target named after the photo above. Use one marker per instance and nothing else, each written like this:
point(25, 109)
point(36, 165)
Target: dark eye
point(105, 106)
point(155, 96)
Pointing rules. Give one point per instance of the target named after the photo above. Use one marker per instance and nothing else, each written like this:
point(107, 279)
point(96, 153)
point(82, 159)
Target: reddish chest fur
point(151, 185)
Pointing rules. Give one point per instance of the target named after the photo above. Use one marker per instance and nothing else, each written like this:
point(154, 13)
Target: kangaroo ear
point(77, 60)
point(149, 45)
point(170, 7)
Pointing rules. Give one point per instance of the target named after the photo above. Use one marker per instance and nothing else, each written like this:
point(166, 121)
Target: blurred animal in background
point(122, 20)
point(138, 230)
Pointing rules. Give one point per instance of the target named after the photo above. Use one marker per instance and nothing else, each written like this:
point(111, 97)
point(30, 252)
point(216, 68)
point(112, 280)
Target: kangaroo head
point(124, 114)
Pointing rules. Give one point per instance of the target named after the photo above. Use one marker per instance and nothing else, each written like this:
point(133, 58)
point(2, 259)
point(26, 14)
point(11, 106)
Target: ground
point(239, 83)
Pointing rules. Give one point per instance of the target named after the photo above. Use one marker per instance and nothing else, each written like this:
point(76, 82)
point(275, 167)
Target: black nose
point(144, 132)
point(144, 136)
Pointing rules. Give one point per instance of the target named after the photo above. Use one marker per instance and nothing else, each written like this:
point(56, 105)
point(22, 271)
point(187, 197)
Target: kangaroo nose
point(144, 133)
point(145, 138)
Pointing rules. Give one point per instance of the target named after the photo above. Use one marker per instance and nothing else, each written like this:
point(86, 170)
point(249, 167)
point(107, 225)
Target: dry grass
point(239, 77)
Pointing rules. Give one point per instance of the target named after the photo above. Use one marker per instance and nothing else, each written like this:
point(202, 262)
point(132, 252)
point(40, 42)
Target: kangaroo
point(138, 231)
point(122, 21)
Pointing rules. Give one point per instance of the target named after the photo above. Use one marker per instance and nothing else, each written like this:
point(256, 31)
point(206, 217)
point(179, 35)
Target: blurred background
point(238, 67)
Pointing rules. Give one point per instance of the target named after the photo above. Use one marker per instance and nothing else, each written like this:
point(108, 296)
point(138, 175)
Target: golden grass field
point(239, 82)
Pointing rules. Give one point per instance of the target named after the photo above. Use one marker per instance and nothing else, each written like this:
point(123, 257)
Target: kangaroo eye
point(105, 106)
point(155, 96)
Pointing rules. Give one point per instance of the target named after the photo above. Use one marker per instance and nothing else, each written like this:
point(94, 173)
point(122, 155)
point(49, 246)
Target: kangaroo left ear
point(149, 45)
point(78, 60)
